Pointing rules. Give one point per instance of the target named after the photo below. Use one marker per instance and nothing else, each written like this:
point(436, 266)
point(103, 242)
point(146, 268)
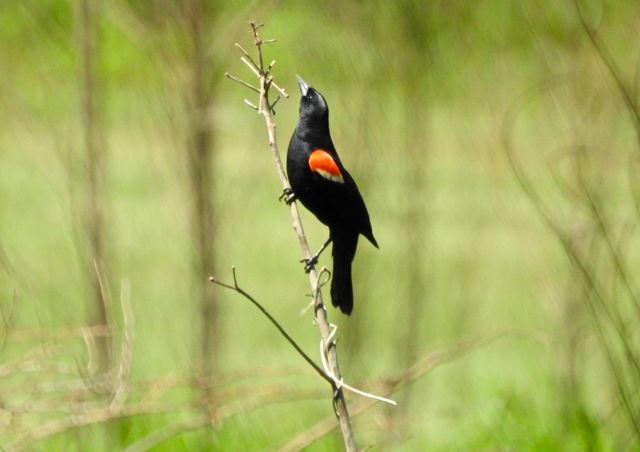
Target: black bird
point(320, 181)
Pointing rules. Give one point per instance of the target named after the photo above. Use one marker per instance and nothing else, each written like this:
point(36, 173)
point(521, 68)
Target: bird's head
point(313, 107)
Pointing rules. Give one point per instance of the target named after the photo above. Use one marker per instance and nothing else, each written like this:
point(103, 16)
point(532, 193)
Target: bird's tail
point(344, 249)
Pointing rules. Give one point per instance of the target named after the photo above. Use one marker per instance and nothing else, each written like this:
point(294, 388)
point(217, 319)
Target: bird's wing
point(354, 210)
point(341, 191)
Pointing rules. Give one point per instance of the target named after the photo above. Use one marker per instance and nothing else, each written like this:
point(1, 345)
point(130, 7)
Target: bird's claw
point(309, 263)
point(288, 196)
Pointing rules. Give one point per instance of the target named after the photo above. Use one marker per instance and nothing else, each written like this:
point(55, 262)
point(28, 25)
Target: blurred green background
point(495, 143)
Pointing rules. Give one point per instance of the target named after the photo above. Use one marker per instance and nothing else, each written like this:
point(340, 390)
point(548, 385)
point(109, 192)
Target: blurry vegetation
point(496, 144)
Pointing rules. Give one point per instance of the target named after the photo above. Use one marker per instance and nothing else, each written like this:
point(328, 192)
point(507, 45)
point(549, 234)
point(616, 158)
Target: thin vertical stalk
point(94, 166)
point(199, 163)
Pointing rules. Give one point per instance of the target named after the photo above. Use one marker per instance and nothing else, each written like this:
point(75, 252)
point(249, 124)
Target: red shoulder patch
point(321, 162)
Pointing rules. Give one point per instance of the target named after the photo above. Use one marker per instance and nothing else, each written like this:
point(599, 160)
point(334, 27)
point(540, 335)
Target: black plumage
point(320, 181)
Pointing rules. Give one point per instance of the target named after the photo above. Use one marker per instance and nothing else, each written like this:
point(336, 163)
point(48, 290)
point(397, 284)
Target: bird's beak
point(303, 86)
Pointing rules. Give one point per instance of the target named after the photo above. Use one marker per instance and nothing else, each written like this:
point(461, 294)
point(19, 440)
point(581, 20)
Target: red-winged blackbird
point(320, 181)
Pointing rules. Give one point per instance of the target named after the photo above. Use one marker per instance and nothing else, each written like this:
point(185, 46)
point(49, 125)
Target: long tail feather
point(344, 250)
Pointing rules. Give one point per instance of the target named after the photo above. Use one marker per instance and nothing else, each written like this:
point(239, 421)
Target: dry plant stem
point(326, 374)
point(266, 109)
point(286, 335)
point(319, 309)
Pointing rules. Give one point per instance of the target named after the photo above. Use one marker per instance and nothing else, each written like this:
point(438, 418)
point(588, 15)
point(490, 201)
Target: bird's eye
point(309, 96)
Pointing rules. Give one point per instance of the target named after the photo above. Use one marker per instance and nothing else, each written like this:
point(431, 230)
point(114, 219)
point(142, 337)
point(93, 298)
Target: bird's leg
point(287, 196)
point(313, 260)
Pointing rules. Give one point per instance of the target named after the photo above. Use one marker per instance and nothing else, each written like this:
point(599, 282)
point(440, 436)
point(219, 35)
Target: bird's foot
point(287, 196)
point(310, 263)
